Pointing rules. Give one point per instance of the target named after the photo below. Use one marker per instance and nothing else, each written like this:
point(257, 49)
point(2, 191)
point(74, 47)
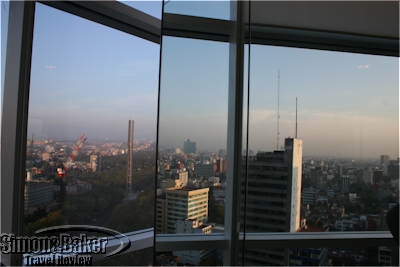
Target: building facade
point(204, 170)
point(273, 200)
point(181, 203)
point(189, 147)
point(94, 162)
point(37, 194)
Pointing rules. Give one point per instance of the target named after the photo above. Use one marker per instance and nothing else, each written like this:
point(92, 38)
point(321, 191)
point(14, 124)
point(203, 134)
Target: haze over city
point(87, 78)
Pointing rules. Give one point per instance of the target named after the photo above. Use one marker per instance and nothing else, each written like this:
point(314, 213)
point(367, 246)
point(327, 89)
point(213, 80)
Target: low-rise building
point(192, 257)
point(309, 195)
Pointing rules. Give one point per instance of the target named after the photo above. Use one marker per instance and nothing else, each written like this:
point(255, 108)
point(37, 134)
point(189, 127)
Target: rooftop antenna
point(296, 119)
point(277, 133)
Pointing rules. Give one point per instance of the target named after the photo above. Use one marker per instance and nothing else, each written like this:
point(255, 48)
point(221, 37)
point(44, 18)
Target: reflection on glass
point(142, 257)
point(191, 258)
point(192, 137)
point(330, 164)
point(206, 9)
point(346, 256)
point(90, 82)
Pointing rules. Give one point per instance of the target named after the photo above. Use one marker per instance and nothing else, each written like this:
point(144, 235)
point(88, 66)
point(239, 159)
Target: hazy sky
point(87, 78)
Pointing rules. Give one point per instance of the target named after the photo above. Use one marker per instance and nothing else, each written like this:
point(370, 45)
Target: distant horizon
point(212, 151)
point(93, 79)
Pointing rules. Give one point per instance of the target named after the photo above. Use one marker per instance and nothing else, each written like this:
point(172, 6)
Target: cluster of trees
point(134, 215)
point(96, 206)
point(216, 211)
point(369, 199)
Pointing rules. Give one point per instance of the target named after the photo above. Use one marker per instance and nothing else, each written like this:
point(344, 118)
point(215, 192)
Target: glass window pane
point(345, 256)
point(192, 136)
point(190, 258)
point(332, 161)
point(206, 9)
point(89, 83)
point(142, 257)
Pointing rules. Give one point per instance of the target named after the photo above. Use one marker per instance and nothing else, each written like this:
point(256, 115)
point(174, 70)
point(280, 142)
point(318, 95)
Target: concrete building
point(384, 159)
point(179, 180)
point(183, 177)
point(93, 162)
point(181, 203)
point(222, 153)
point(343, 225)
point(49, 149)
point(388, 256)
point(189, 147)
point(192, 257)
point(377, 176)
point(314, 176)
point(310, 196)
point(204, 170)
point(37, 193)
point(221, 165)
point(273, 200)
point(310, 256)
point(45, 156)
point(393, 169)
point(77, 187)
point(344, 184)
point(367, 176)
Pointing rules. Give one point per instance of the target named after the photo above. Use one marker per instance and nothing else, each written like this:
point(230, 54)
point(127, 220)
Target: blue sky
point(87, 78)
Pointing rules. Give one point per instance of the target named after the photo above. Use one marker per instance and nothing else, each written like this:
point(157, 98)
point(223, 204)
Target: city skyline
point(348, 103)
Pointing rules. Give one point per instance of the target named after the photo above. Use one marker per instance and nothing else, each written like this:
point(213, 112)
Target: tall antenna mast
point(277, 133)
point(296, 119)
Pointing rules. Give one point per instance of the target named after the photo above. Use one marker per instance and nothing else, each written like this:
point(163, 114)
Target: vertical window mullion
point(234, 139)
point(14, 119)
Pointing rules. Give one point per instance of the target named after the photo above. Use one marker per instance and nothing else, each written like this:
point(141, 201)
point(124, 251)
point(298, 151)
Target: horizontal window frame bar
point(139, 240)
point(332, 41)
point(185, 26)
point(317, 240)
point(115, 15)
point(180, 242)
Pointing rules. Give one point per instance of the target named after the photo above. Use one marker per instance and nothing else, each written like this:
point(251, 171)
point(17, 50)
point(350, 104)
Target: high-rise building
point(314, 176)
point(345, 184)
point(129, 164)
point(393, 169)
point(181, 203)
point(273, 198)
point(367, 176)
point(384, 159)
point(377, 176)
point(221, 165)
point(93, 162)
point(189, 147)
